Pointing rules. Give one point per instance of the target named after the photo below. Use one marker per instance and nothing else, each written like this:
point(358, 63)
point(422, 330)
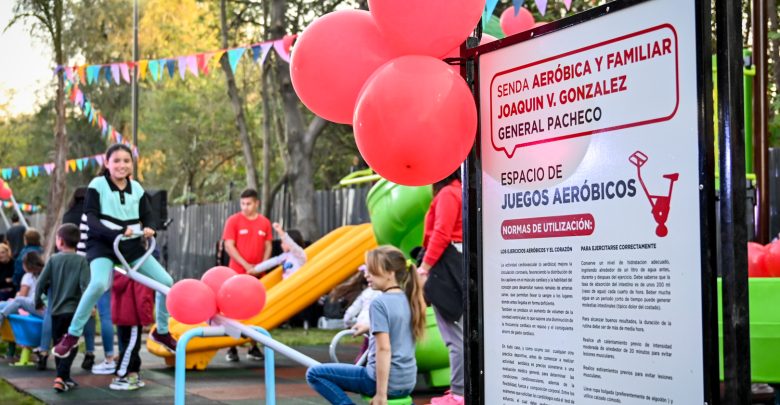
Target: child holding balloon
point(397, 321)
point(116, 205)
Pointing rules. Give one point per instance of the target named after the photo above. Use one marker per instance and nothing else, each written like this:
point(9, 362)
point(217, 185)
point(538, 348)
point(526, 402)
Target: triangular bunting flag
point(34, 169)
point(82, 72)
point(93, 71)
point(490, 7)
point(192, 65)
point(218, 56)
point(264, 48)
point(567, 3)
point(108, 76)
point(279, 48)
point(87, 107)
point(23, 171)
point(142, 64)
point(69, 73)
point(49, 167)
point(79, 98)
point(125, 70)
point(99, 160)
point(79, 164)
point(115, 73)
point(233, 56)
point(540, 4)
point(171, 68)
point(203, 62)
point(154, 69)
point(7, 173)
point(85, 162)
point(517, 4)
point(182, 66)
point(72, 165)
point(255, 52)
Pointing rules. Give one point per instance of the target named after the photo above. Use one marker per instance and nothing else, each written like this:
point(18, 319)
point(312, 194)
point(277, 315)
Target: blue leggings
point(106, 327)
point(100, 282)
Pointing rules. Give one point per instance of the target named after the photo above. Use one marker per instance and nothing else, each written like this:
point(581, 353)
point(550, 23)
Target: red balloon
point(431, 27)
point(333, 58)
point(512, 24)
point(757, 263)
point(191, 301)
point(241, 297)
point(415, 120)
point(216, 276)
point(5, 192)
point(772, 259)
point(287, 42)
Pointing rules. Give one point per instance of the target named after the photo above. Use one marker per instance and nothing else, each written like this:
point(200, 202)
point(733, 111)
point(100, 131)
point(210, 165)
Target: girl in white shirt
point(293, 257)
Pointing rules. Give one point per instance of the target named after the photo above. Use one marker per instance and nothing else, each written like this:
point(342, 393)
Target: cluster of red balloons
point(512, 23)
point(414, 118)
point(764, 261)
point(237, 296)
point(5, 191)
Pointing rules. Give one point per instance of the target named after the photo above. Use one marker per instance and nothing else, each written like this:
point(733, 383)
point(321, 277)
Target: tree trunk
point(300, 137)
point(58, 186)
point(238, 106)
point(267, 87)
point(267, 127)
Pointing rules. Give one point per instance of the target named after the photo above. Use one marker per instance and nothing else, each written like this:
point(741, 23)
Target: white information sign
point(591, 223)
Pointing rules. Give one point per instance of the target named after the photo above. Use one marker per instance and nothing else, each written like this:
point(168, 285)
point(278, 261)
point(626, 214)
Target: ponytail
point(390, 259)
point(414, 293)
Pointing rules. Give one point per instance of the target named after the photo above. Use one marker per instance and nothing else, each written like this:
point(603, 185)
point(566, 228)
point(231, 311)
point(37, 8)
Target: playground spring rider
point(661, 204)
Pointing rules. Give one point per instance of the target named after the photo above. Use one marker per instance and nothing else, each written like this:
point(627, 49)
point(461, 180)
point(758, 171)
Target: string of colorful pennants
point(31, 208)
point(94, 116)
point(45, 169)
point(196, 64)
point(490, 6)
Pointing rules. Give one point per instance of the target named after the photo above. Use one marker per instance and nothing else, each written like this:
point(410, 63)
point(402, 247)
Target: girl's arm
point(383, 351)
point(353, 311)
point(145, 213)
point(24, 290)
point(267, 265)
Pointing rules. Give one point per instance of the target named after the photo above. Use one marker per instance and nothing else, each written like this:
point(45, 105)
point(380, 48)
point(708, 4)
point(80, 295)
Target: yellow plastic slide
point(331, 260)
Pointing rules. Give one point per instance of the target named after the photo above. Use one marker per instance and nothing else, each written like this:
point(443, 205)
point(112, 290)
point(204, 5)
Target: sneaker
point(65, 346)
point(129, 383)
point(165, 340)
point(255, 353)
point(104, 368)
point(448, 399)
point(141, 382)
point(60, 385)
point(232, 355)
point(71, 384)
point(41, 362)
point(88, 362)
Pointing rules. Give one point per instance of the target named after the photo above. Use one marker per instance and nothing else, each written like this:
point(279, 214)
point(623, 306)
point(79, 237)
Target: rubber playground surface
point(220, 383)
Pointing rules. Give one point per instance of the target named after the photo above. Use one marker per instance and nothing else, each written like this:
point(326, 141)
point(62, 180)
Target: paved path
point(221, 383)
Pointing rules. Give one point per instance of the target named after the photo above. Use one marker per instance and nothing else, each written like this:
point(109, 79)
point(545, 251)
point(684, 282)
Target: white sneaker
point(124, 384)
point(104, 368)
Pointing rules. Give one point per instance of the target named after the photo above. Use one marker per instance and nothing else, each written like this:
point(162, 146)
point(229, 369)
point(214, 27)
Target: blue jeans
point(106, 327)
point(100, 281)
point(45, 331)
point(332, 379)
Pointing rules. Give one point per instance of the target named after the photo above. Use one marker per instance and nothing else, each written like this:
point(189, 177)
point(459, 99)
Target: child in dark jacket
point(132, 306)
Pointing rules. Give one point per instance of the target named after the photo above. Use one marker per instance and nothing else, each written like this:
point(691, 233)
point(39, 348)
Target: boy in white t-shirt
point(25, 298)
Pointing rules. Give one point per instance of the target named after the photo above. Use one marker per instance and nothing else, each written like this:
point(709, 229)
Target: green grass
point(9, 395)
point(311, 337)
